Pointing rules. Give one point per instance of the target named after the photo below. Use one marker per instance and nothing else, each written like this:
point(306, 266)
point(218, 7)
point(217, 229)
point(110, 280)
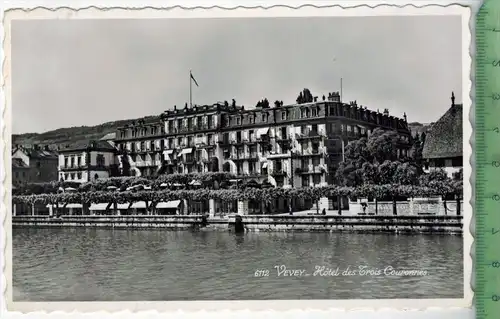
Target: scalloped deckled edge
point(473, 8)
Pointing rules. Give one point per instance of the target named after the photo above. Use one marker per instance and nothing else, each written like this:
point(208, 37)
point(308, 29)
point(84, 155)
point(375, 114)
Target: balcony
point(278, 172)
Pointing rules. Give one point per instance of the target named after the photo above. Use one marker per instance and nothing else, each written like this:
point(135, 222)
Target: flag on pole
point(192, 78)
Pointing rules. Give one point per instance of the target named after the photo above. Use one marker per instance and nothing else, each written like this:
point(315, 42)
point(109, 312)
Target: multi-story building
point(33, 164)
point(84, 162)
point(298, 145)
point(140, 146)
point(443, 146)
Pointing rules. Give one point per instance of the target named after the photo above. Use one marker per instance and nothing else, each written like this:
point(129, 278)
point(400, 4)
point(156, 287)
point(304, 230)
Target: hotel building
point(298, 145)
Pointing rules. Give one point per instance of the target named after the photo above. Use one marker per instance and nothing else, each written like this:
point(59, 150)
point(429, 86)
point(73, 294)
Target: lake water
point(81, 264)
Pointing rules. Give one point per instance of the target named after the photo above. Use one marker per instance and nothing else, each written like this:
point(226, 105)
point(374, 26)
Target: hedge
point(259, 194)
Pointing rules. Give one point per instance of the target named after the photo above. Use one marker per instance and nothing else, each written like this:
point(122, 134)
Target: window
point(264, 117)
point(305, 181)
point(251, 118)
point(210, 139)
point(316, 179)
point(314, 112)
point(190, 141)
point(96, 176)
point(457, 162)
point(101, 161)
point(238, 120)
point(283, 115)
point(179, 142)
point(210, 121)
point(79, 161)
point(72, 161)
point(302, 113)
point(315, 161)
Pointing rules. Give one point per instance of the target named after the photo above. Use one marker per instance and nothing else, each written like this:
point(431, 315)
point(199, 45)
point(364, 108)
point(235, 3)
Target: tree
point(382, 145)
point(300, 98)
point(405, 174)
point(277, 103)
point(416, 153)
point(307, 96)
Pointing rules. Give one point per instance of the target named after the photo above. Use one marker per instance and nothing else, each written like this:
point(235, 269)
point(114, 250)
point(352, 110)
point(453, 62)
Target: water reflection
point(123, 265)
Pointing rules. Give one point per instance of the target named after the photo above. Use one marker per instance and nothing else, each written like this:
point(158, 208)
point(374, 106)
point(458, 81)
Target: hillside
point(416, 127)
point(71, 135)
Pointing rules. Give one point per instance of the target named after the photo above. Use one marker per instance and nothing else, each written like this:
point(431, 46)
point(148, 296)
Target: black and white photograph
point(246, 155)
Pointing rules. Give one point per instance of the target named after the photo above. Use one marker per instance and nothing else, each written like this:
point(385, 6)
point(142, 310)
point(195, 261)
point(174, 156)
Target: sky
point(86, 72)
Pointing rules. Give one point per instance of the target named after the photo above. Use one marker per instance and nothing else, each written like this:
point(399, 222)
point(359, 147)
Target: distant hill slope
point(72, 135)
point(416, 127)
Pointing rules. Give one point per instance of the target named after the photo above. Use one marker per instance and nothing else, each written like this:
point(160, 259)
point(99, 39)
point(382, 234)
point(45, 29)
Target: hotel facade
point(298, 145)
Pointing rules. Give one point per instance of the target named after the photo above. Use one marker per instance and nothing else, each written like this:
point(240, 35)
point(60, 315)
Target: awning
point(99, 206)
point(139, 205)
point(170, 204)
point(123, 206)
point(265, 165)
point(167, 153)
point(186, 151)
point(72, 205)
point(262, 131)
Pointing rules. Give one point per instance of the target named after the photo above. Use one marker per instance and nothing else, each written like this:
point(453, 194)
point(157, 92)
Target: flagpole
point(190, 90)
point(340, 89)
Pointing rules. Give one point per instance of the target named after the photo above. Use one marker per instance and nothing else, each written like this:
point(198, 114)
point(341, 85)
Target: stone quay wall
point(410, 207)
point(181, 222)
point(394, 224)
point(318, 223)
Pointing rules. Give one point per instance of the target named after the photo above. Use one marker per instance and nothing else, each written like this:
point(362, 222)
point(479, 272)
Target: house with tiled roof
point(34, 164)
point(443, 146)
point(87, 161)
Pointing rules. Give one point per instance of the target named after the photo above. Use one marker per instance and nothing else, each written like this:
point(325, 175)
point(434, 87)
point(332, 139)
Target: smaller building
point(443, 146)
point(87, 161)
point(33, 164)
point(20, 172)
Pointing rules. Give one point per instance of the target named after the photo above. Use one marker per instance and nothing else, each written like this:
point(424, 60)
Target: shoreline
point(422, 224)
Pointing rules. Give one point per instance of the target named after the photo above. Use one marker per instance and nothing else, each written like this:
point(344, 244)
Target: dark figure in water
point(238, 224)
point(204, 221)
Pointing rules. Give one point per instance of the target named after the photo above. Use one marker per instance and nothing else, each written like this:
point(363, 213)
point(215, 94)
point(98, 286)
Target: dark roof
point(444, 140)
point(92, 145)
point(18, 163)
point(37, 152)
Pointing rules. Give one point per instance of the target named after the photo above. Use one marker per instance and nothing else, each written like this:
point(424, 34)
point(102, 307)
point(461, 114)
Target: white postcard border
point(280, 305)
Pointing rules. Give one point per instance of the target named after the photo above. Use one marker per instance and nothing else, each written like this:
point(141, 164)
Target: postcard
point(261, 159)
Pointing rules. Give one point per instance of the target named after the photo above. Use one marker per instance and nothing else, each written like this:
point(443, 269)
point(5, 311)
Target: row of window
point(77, 161)
point(190, 123)
point(143, 131)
